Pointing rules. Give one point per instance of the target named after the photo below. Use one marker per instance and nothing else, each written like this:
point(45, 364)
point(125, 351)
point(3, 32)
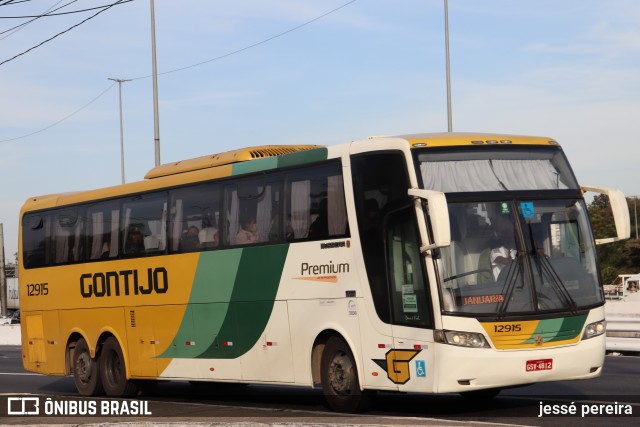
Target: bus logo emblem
point(396, 364)
point(538, 340)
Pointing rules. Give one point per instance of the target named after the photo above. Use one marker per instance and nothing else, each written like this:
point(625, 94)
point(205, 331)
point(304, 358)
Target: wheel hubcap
point(340, 373)
point(83, 368)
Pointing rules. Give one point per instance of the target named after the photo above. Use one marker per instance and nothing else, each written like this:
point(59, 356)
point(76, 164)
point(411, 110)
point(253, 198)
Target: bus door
point(411, 312)
point(398, 349)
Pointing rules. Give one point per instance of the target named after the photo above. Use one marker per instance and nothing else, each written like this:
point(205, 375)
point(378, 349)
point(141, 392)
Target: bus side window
point(144, 227)
point(299, 212)
point(195, 214)
point(69, 228)
point(36, 240)
point(315, 206)
point(250, 211)
point(103, 225)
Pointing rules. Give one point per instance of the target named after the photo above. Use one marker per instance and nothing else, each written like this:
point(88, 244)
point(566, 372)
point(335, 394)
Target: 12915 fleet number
point(37, 289)
point(515, 327)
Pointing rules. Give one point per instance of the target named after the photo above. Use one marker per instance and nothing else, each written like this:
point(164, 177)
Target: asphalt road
point(617, 390)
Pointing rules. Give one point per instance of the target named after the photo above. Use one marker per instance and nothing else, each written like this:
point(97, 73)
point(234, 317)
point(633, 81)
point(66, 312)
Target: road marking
point(17, 373)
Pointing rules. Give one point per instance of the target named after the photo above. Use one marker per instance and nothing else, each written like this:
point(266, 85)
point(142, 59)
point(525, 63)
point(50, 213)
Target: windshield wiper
point(545, 267)
point(510, 282)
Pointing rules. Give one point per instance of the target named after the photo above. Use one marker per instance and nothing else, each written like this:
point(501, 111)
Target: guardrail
point(10, 335)
point(623, 325)
point(623, 332)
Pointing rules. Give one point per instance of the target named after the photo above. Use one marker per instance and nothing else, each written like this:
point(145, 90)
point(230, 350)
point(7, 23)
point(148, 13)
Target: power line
point(65, 31)
point(63, 13)
point(11, 2)
point(24, 24)
point(64, 118)
point(252, 45)
point(183, 68)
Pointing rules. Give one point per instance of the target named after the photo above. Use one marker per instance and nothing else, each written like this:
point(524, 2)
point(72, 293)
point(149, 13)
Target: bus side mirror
point(438, 216)
point(620, 212)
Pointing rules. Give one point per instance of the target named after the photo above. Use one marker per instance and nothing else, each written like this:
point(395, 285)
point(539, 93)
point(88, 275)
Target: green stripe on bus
point(250, 307)
point(571, 327)
point(302, 157)
point(286, 160)
point(558, 329)
point(255, 165)
point(227, 312)
point(209, 301)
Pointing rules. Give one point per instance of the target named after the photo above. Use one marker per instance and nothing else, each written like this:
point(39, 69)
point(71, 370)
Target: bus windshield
point(517, 256)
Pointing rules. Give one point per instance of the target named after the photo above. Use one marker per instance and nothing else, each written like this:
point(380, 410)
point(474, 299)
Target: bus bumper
point(467, 369)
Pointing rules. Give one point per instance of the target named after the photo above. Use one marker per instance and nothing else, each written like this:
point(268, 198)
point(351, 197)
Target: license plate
point(539, 365)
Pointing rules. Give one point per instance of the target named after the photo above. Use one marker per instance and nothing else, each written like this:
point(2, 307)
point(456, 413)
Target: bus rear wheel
point(339, 376)
point(86, 375)
point(113, 371)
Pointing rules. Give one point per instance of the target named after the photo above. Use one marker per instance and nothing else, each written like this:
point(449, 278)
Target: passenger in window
point(320, 227)
point(503, 252)
point(135, 241)
point(105, 251)
point(208, 236)
point(190, 242)
point(248, 232)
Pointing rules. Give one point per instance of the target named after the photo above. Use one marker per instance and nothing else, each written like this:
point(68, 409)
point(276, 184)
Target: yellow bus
point(420, 263)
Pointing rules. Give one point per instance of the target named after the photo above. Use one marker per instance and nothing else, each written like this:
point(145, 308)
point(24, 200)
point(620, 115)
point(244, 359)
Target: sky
point(247, 72)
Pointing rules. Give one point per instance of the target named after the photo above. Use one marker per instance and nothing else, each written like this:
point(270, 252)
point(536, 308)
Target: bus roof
point(226, 158)
point(451, 139)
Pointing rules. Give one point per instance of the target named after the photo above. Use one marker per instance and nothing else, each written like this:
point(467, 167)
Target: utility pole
point(120, 81)
point(446, 43)
point(156, 119)
point(3, 278)
point(635, 213)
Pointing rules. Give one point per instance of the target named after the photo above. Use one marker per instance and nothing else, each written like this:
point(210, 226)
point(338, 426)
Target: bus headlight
point(594, 329)
point(462, 339)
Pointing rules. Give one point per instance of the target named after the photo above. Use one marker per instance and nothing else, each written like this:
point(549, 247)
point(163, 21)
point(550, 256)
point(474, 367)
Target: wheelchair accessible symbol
point(421, 370)
point(528, 211)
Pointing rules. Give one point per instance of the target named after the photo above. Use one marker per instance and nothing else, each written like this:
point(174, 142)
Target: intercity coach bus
point(427, 263)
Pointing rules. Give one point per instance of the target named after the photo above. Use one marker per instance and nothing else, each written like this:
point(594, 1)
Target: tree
point(614, 258)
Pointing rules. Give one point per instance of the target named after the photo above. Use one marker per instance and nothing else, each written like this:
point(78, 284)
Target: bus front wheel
point(339, 376)
point(85, 370)
point(113, 372)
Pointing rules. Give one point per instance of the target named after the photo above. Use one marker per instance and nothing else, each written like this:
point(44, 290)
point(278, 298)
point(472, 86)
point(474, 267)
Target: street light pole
point(156, 119)
point(446, 43)
point(120, 81)
point(635, 213)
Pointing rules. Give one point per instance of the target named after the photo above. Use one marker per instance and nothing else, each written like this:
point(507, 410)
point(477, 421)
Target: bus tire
point(86, 375)
point(339, 377)
point(113, 371)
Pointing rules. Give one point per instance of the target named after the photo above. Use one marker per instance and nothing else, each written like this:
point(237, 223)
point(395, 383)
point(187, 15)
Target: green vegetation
point(620, 257)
